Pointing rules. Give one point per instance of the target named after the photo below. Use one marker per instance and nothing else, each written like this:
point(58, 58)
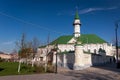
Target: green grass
point(11, 68)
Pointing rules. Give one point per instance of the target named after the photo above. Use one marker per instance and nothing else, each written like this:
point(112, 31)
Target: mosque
point(77, 51)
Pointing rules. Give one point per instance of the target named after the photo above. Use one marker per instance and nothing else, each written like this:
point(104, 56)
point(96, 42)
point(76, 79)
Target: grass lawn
point(11, 68)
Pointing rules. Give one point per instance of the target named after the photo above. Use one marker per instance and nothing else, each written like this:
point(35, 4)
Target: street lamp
point(116, 30)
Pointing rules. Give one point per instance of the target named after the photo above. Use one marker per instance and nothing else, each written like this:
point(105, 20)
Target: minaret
point(76, 25)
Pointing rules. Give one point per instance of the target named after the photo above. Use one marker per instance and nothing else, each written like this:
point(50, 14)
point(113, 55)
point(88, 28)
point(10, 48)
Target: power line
point(26, 22)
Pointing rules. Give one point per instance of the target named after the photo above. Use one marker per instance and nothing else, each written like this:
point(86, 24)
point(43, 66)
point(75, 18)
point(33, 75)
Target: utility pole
point(116, 29)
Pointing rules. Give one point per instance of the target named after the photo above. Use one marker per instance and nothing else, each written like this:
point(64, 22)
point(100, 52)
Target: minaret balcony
point(76, 24)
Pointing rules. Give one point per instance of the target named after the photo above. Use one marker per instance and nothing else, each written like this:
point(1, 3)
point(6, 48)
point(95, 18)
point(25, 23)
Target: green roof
point(84, 39)
point(90, 38)
point(42, 46)
point(62, 39)
point(76, 15)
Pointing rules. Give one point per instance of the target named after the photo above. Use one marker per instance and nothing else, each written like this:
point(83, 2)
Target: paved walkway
point(37, 77)
point(108, 72)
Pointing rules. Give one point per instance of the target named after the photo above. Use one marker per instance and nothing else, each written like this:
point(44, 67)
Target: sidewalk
point(50, 76)
point(109, 66)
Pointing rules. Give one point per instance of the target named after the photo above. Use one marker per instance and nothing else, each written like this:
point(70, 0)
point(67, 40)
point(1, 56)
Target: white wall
point(105, 46)
point(66, 47)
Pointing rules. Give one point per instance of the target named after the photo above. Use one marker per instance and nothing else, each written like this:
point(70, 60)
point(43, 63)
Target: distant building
point(66, 44)
point(5, 56)
point(9, 57)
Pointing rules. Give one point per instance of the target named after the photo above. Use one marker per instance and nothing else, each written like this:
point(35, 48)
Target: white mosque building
point(88, 44)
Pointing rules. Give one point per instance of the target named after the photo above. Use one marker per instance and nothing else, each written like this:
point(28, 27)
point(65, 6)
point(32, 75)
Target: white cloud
point(8, 43)
point(88, 10)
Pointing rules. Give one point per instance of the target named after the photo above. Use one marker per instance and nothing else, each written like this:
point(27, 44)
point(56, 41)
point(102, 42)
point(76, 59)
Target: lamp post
point(116, 30)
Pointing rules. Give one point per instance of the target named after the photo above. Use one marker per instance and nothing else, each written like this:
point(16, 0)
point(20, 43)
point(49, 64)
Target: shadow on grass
point(1, 69)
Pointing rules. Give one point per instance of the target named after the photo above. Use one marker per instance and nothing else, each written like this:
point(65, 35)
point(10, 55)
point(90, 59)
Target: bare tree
point(47, 52)
point(21, 45)
point(114, 41)
point(35, 45)
point(25, 50)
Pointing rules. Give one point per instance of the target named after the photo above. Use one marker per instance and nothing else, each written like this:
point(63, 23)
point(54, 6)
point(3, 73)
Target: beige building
point(5, 56)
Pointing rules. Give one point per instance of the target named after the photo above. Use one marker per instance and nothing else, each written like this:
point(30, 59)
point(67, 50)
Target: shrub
point(2, 60)
point(39, 69)
point(26, 69)
point(50, 69)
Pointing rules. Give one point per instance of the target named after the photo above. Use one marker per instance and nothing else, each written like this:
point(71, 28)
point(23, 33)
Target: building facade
point(68, 44)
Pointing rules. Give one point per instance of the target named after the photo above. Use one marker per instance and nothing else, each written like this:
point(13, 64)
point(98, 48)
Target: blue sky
point(38, 18)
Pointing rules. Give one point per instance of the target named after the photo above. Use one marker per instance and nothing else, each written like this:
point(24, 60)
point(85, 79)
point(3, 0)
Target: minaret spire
point(76, 14)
